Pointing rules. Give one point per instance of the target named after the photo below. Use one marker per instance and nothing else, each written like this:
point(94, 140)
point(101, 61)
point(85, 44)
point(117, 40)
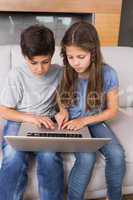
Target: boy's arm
point(13, 115)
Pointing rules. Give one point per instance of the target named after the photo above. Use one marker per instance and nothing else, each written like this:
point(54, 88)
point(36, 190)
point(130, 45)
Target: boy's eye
point(45, 62)
point(33, 63)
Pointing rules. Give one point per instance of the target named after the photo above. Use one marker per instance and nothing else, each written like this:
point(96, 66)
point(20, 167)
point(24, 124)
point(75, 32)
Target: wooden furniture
point(106, 13)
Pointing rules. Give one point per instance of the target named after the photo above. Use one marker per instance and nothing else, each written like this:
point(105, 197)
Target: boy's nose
point(40, 67)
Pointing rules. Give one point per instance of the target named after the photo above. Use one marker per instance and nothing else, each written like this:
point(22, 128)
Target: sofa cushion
point(5, 63)
point(123, 127)
point(120, 59)
point(17, 58)
point(57, 59)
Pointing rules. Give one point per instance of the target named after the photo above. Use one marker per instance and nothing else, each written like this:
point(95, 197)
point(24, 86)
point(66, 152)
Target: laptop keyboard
point(62, 135)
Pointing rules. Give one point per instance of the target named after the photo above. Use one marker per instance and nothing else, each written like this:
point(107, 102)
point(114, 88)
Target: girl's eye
point(81, 57)
point(69, 57)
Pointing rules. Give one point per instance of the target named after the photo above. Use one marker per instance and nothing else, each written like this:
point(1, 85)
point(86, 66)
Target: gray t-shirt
point(26, 92)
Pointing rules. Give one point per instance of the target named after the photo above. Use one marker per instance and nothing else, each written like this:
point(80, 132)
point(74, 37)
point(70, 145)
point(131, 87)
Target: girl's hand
point(74, 124)
point(39, 121)
point(62, 117)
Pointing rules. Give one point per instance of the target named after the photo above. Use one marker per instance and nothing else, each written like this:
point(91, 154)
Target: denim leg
point(10, 128)
point(13, 175)
point(80, 175)
point(50, 176)
point(115, 160)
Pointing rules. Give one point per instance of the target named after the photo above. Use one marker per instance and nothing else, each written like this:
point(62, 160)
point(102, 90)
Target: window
point(11, 24)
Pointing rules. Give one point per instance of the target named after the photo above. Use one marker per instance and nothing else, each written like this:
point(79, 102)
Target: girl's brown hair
point(83, 35)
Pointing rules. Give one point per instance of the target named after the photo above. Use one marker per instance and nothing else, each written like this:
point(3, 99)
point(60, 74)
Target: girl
point(89, 91)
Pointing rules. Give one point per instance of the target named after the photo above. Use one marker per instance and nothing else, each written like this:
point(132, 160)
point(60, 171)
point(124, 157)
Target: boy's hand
point(74, 124)
point(39, 121)
point(62, 117)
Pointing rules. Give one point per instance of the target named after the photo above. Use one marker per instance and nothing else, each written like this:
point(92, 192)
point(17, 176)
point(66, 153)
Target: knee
point(14, 160)
point(8, 153)
point(12, 156)
point(116, 155)
point(86, 159)
point(48, 158)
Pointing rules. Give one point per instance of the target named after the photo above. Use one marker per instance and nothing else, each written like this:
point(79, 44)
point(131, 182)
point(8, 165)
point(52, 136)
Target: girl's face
point(78, 59)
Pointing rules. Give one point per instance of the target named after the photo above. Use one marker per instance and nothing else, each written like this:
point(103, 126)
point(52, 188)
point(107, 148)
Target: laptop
point(32, 138)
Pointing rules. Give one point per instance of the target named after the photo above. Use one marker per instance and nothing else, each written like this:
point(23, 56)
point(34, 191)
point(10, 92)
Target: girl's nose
point(75, 62)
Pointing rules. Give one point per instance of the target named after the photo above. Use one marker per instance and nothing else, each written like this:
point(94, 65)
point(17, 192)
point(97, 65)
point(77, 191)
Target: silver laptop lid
point(52, 144)
point(24, 143)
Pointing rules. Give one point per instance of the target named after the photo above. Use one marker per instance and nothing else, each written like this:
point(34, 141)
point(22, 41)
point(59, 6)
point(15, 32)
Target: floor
point(127, 197)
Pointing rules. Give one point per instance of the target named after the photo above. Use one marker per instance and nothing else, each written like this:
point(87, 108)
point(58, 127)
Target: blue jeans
point(50, 172)
point(80, 175)
point(115, 166)
point(13, 172)
point(114, 158)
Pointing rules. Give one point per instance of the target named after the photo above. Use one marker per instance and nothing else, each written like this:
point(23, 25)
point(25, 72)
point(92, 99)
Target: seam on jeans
point(16, 194)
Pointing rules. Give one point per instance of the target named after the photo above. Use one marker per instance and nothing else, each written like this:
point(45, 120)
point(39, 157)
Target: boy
point(29, 96)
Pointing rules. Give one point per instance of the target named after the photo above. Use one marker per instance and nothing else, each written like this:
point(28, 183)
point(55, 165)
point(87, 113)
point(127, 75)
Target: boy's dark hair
point(37, 40)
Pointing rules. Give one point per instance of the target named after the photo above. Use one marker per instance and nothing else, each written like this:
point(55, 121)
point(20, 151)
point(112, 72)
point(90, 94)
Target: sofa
point(121, 58)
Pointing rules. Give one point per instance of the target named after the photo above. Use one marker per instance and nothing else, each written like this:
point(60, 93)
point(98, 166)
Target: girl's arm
point(62, 116)
point(109, 113)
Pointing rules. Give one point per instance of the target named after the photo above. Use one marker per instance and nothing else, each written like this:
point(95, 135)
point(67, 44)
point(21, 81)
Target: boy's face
point(39, 65)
